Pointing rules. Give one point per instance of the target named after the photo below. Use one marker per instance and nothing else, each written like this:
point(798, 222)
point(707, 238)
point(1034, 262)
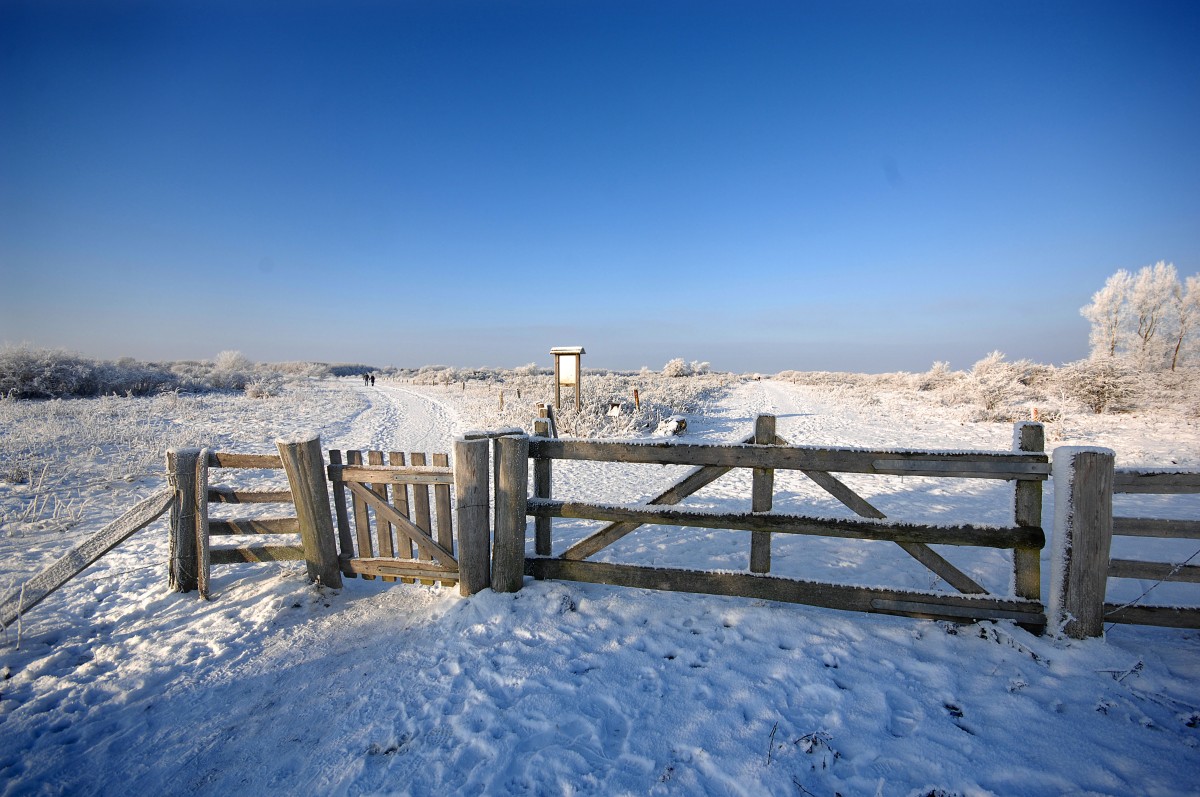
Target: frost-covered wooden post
point(1028, 437)
point(471, 515)
point(512, 494)
point(761, 494)
point(187, 473)
point(1083, 490)
point(305, 468)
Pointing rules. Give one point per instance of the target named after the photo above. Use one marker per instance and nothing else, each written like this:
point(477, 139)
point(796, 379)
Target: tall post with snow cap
point(1083, 490)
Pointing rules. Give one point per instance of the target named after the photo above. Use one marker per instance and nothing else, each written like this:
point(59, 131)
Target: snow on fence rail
point(764, 453)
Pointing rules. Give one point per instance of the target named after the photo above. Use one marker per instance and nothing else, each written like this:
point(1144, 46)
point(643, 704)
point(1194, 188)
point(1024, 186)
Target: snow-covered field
point(277, 686)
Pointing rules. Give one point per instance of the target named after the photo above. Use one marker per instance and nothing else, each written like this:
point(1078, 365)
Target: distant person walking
point(366, 379)
point(372, 380)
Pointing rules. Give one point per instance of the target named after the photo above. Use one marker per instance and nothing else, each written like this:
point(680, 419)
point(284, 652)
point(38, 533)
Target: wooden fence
point(765, 453)
point(397, 523)
point(1085, 480)
point(394, 516)
point(191, 553)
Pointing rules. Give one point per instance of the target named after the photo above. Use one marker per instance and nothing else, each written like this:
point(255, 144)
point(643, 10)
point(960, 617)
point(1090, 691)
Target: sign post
point(567, 372)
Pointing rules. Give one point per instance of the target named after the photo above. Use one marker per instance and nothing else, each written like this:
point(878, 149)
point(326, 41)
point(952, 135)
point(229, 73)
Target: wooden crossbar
point(421, 537)
point(243, 554)
point(271, 525)
point(1158, 571)
point(224, 459)
point(1168, 616)
point(974, 464)
point(400, 568)
point(979, 536)
point(834, 596)
point(1161, 482)
point(231, 495)
point(380, 474)
point(1153, 527)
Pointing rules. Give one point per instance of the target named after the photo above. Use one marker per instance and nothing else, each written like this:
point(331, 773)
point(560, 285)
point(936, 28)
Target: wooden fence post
point(185, 477)
point(1028, 437)
point(512, 493)
point(542, 475)
point(1083, 489)
point(471, 510)
point(305, 468)
point(761, 496)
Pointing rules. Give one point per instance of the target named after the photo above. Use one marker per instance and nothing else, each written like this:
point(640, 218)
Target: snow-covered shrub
point(938, 377)
point(264, 385)
point(994, 381)
point(1106, 384)
point(308, 370)
point(677, 367)
point(45, 373)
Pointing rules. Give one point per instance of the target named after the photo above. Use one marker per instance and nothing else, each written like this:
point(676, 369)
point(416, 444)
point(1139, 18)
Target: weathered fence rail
point(764, 453)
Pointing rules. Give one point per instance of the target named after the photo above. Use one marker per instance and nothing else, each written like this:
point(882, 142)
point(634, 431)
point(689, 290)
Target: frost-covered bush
point(994, 381)
point(1101, 384)
point(44, 373)
point(264, 385)
point(680, 367)
point(938, 377)
point(658, 398)
point(676, 368)
point(51, 373)
point(307, 370)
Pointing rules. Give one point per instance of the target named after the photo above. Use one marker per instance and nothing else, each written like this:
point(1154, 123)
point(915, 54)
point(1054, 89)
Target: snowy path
point(398, 419)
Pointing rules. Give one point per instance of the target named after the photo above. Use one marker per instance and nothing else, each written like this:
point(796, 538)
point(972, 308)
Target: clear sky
point(863, 186)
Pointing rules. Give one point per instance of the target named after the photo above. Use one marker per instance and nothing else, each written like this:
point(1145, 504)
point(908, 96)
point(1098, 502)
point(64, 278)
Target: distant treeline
point(27, 372)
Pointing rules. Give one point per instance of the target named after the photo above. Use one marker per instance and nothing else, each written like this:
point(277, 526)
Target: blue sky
point(863, 186)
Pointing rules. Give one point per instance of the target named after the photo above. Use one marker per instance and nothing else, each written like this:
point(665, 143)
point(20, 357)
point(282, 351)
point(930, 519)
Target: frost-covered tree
point(1185, 301)
point(1147, 318)
point(1149, 304)
point(1108, 312)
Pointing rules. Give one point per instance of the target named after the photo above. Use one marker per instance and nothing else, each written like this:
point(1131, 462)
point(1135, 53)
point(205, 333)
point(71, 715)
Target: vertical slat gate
point(383, 529)
point(345, 538)
point(442, 508)
point(404, 543)
point(362, 519)
point(420, 507)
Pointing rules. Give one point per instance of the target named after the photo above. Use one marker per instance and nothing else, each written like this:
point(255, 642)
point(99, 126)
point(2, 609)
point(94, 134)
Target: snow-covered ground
point(277, 686)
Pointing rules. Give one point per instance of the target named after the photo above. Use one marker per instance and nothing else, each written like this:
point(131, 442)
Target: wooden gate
point(764, 452)
point(394, 518)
